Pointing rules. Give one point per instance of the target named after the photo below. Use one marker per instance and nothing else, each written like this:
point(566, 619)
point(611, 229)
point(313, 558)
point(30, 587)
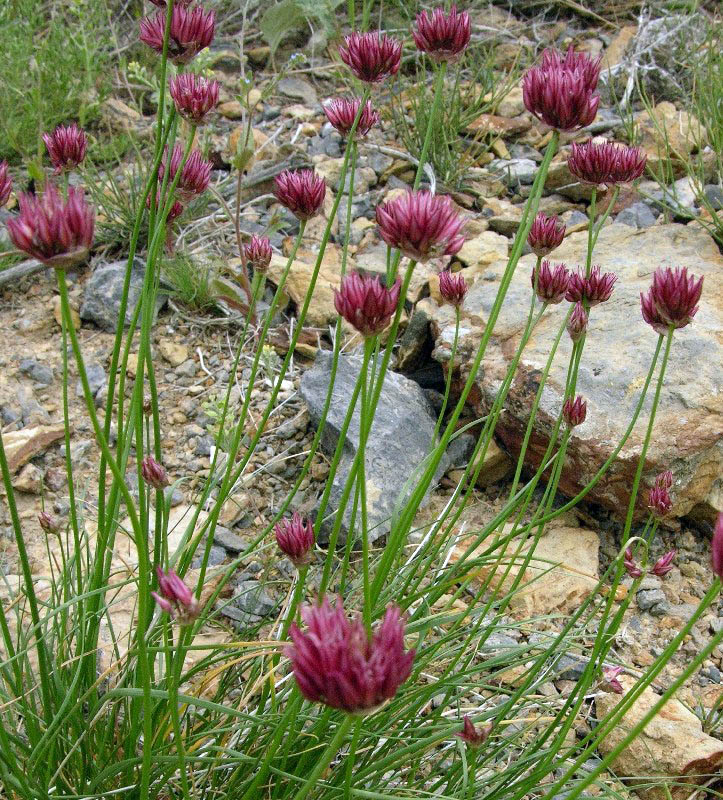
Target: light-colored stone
point(57, 314)
point(30, 479)
point(666, 128)
point(562, 573)
point(673, 747)
point(263, 147)
point(483, 249)
point(688, 433)
point(512, 103)
point(174, 353)
point(20, 446)
point(617, 48)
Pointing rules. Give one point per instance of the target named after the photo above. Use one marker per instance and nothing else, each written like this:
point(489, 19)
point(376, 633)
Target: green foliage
point(64, 80)
point(291, 16)
point(474, 89)
point(191, 281)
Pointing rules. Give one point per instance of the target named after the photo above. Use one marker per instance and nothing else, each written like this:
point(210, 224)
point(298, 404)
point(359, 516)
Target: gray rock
point(460, 449)
point(96, 379)
point(251, 603)
point(228, 540)
point(649, 598)
point(515, 170)
point(714, 195)
point(637, 215)
point(216, 556)
point(176, 495)
point(570, 668)
point(679, 198)
point(40, 373)
point(399, 440)
point(103, 292)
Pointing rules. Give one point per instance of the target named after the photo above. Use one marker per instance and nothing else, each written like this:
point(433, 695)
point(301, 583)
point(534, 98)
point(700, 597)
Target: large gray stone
point(399, 440)
point(688, 433)
point(103, 292)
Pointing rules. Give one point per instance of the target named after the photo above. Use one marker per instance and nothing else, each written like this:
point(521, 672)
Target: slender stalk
point(432, 122)
point(366, 419)
point(331, 750)
point(450, 371)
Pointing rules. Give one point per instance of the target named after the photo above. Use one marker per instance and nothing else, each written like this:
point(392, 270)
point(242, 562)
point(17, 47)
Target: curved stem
point(326, 758)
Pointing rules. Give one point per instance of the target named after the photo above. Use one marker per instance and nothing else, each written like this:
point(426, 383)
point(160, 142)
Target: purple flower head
point(631, 565)
point(48, 522)
point(258, 253)
point(342, 111)
point(611, 678)
point(664, 564)
point(6, 183)
point(672, 299)
point(606, 163)
point(574, 411)
point(175, 598)
point(372, 57)
point(193, 95)
point(295, 538)
point(59, 233)
point(546, 234)
point(474, 736)
point(422, 225)
point(153, 473)
point(301, 191)
point(366, 303)
point(659, 501)
point(335, 662)
point(597, 288)
point(66, 147)
point(560, 90)
point(195, 175)
point(550, 284)
point(175, 211)
point(453, 287)
point(192, 30)
point(577, 324)
point(716, 547)
point(664, 480)
point(443, 37)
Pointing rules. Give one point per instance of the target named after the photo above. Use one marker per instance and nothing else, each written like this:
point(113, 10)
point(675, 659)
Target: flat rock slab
point(20, 446)
point(673, 747)
point(688, 433)
point(401, 437)
point(561, 575)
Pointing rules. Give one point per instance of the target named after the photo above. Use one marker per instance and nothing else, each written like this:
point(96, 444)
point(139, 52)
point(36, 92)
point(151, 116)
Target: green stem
point(432, 122)
point(326, 758)
point(450, 370)
point(365, 423)
point(351, 759)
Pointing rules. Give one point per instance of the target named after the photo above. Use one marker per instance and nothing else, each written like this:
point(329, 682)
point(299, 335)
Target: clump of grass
point(191, 282)
point(66, 78)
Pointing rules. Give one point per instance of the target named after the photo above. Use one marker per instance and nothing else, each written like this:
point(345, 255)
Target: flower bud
point(443, 37)
point(6, 183)
point(175, 598)
point(577, 324)
point(472, 735)
point(574, 411)
point(664, 564)
point(452, 287)
point(48, 522)
point(372, 57)
point(672, 299)
point(596, 288)
point(659, 501)
point(631, 565)
point(66, 147)
point(258, 253)
point(342, 112)
point(193, 95)
point(295, 538)
point(153, 473)
point(301, 191)
point(550, 285)
point(611, 678)
point(546, 234)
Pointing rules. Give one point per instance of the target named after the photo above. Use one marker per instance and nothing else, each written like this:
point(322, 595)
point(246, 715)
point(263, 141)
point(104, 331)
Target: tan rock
point(57, 314)
point(512, 103)
point(20, 446)
point(29, 480)
point(673, 746)
point(174, 353)
point(483, 249)
point(562, 572)
point(321, 309)
point(262, 146)
point(666, 128)
point(688, 433)
point(500, 125)
point(618, 47)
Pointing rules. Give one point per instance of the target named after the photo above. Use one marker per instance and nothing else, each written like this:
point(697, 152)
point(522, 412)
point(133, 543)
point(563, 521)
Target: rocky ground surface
point(194, 355)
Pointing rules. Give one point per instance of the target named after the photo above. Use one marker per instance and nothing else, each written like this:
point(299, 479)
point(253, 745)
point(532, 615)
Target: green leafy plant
point(53, 70)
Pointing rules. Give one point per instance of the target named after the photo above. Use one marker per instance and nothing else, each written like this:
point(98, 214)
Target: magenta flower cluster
point(453, 287)
point(66, 147)
point(341, 113)
point(372, 57)
point(175, 598)
point(560, 90)
point(56, 231)
point(301, 191)
point(604, 163)
point(295, 538)
point(193, 95)
point(546, 234)
point(422, 225)
point(336, 663)
point(192, 30)
point(257, 252)
point(443, 37)
point(365, 303)
point(672, 300)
